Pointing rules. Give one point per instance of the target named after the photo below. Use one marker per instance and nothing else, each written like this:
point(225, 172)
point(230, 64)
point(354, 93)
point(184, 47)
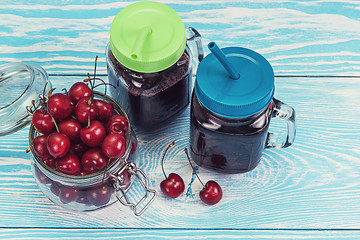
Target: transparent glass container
point(152, 99)
point(100, 189)
point(22, 83)
point(235, 145)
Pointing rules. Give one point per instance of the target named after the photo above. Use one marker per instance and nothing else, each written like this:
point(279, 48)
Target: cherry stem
point(65, 90)
point(90, 99)
point(37, 131)
point(56, 126)
point(186, 151)
point(162, 160)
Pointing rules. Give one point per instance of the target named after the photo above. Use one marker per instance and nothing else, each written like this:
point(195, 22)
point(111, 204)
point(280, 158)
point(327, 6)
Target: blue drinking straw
point(223, 60)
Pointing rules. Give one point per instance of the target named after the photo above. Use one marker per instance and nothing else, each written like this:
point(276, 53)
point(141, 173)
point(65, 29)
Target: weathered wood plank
point(298, 37)
point(172, 234)
point(311, 185)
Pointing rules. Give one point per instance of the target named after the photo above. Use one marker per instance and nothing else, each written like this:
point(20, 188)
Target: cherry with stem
point(173, 185)
point(211, 193)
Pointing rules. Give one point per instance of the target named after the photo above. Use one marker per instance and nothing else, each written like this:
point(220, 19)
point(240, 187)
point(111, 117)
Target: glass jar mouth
point(92, 178)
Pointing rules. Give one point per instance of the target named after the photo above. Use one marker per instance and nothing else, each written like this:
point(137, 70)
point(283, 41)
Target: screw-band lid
point(235, 98)
point(147, 37)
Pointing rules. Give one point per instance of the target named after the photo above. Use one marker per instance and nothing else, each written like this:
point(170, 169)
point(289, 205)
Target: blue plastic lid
point(235, 98)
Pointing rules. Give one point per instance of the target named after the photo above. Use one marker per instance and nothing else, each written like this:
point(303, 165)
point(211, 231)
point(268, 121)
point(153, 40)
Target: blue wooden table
point(309, 190)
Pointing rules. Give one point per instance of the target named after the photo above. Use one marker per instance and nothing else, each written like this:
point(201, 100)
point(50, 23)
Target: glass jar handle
point(193, 38)
point(141, 176)
point(280, 140)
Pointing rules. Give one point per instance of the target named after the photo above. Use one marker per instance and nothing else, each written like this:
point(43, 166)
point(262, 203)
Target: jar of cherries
point(82, 144)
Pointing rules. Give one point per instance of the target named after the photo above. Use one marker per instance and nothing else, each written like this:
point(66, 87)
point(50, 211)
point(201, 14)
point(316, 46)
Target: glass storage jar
point(150, 61)
point(77, 193)
point(230, 117)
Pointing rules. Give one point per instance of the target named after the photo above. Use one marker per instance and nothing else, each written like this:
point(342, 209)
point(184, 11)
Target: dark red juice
point(224, 144)
point(151, 99)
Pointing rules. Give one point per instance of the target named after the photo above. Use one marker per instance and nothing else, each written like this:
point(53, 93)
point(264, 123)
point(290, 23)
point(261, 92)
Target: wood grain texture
point(171, 234)
point(310, 185)
point(310, 190)
point(298, 37)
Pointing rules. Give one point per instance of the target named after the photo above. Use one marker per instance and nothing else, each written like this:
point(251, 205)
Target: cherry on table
point(212, 193)
point(58, 144)
point(78, 91)
point(59, 106)
point(42, 121)
point(173, 185)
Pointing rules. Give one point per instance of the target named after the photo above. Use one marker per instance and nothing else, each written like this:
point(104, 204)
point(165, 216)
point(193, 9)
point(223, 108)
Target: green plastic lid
point(147, 37)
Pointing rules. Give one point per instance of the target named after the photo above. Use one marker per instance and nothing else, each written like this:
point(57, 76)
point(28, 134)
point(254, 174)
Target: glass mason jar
point(27, 82)
point(230, 118)
point(150, 62)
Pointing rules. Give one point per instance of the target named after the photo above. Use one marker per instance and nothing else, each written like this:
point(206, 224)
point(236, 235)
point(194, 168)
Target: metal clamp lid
point(144, 181)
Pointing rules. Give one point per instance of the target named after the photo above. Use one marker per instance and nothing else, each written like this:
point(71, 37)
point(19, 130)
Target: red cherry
point(41, 176)
point(99, 196)
point(172, 186)
point(82, 110)
point(69, 164)
point(68, 194)
point(71, 128)
point(40, 148)
point(117, 124)
point(59, 106)
point(58, 144)
point(94, 160)
point(50, 162)
point(211, 194)
point(83, 198)
point(105, 110)
point(93, 135)
point(114, 146)
point(55, 188)
point(43, 122)
point(84, 172)
point(78, 148)
point(78, 91)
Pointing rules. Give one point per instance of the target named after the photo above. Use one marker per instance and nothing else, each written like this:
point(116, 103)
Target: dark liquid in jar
point(227, 145)
point(150, 99)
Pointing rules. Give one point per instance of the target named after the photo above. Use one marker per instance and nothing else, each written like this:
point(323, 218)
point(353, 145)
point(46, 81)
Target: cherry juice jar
point(150, 60)
point(230, 116)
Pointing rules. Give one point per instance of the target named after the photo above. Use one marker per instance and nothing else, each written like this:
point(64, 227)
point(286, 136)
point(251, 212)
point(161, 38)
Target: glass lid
point(20, 83)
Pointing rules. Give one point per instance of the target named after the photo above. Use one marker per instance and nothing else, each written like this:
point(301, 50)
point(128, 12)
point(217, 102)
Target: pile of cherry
point(79, 135)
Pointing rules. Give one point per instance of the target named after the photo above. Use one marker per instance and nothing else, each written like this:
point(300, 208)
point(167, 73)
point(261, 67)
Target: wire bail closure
point(143, 179)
